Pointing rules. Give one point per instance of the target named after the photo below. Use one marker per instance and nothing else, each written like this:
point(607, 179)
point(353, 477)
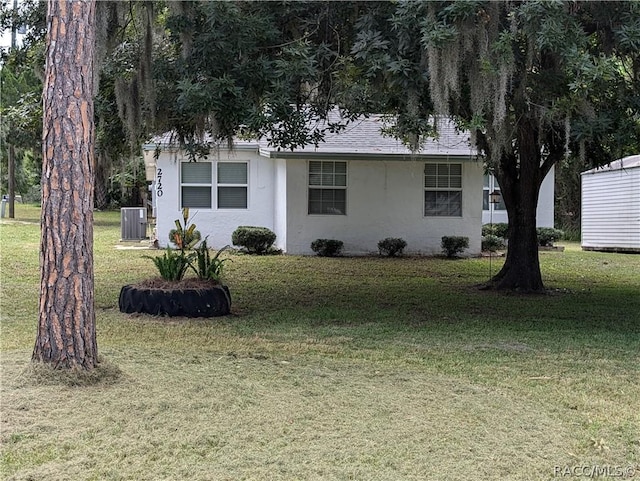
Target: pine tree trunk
point(66, 335)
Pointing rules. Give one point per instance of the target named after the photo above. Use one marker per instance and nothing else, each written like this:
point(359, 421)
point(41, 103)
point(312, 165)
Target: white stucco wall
point(544, 212)
point(218, 224)
point(384, 199)
point(280, 203)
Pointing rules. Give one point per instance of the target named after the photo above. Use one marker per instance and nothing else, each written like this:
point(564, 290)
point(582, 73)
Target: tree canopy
point(532, 81)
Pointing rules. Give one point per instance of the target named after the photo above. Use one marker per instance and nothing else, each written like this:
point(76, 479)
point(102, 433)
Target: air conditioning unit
point(133, 223)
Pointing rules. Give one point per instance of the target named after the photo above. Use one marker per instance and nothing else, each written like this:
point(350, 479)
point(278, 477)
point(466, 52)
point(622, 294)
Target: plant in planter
point(207, 267)
point(173, 294)
point(172, 265)
point(185, 235)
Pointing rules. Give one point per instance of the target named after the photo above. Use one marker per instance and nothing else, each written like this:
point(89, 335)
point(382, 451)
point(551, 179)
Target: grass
point(331, 369)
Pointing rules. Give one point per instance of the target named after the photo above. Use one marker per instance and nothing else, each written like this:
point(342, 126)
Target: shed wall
point(611, 209)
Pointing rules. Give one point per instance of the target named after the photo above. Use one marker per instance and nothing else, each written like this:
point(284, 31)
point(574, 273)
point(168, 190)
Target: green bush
point(205, 266)
point(499, 229)
point(172, 265)
point(454, 245)
point(391, 246)
point(327, 247)
point(548, 235)
point(492, 243)
point(256, 240)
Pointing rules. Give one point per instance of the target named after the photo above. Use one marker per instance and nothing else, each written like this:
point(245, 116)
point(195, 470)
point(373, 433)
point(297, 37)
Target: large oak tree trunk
point(66, 330)
point(520, 185)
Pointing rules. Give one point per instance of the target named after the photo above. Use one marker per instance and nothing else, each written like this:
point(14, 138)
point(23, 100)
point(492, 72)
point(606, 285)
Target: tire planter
point(200, 302)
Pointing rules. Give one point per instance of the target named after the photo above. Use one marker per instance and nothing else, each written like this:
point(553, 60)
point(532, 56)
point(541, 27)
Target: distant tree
point(21, 127)
point(533, 81)
point(66, 336)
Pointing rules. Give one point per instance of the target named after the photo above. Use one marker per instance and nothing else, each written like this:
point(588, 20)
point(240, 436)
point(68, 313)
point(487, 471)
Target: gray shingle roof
point(364, 136)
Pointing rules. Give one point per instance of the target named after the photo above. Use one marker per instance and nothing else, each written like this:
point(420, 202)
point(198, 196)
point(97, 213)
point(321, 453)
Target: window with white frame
point(327, 187)
point(491, 185)
point(443, 190)
point(232, 185)
point(195, 184)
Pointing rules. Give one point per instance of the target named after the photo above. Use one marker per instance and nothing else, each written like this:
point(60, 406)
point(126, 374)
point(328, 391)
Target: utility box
point(133, 223)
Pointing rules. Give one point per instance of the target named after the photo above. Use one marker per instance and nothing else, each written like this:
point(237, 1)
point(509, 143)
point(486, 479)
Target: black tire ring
point(208, 302)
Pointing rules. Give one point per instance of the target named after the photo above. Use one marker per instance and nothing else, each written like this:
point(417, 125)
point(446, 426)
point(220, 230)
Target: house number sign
point(159, 183)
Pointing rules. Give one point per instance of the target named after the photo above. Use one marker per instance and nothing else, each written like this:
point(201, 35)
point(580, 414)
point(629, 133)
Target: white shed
point(611, 206)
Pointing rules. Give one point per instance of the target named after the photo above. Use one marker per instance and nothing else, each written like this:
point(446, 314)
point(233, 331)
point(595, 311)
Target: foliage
point(454, 245)
point(21, 113)
point(205, 266)
point(185, 235)
point(256, 240)
point(327, 247)
point(500, 229)
point(391, 246)
point(533, 82)
point(548, 235)
point(173, 264)
point(492, 243)
point(249, 68)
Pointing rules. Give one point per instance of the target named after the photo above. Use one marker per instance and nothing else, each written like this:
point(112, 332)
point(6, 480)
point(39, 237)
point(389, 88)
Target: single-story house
point(611, 206)
point(358, 186)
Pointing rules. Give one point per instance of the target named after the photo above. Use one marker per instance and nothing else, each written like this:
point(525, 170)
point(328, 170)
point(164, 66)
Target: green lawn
point(332, 369)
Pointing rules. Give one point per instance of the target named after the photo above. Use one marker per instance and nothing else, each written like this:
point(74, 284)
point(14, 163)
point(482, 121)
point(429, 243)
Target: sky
point(5, 37)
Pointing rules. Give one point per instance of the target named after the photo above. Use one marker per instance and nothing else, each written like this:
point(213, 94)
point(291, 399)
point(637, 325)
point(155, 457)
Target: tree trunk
point(100, 184)
point(11, 175)
point(520, 187)
point(66, 335)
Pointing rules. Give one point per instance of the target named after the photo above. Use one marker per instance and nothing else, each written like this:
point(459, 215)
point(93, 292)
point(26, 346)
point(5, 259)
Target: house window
point(491, 184)
point(443, 190)
point(195, 184)
point(327, 187)
point(232, 185)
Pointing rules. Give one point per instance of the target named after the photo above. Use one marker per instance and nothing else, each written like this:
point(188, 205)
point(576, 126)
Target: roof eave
point(379, 156)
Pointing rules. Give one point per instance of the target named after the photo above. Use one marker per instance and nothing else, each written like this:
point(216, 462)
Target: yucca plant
point(205, 266)
point(172, 265)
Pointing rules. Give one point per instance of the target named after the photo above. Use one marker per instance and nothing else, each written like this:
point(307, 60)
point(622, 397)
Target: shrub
point(327, 247)
point(256, 240)
point(499, 229)
point(205, 266)
point(453, 245)
point(172, 265)
point(391, 246)
point(548, 235)
point(492, 243)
